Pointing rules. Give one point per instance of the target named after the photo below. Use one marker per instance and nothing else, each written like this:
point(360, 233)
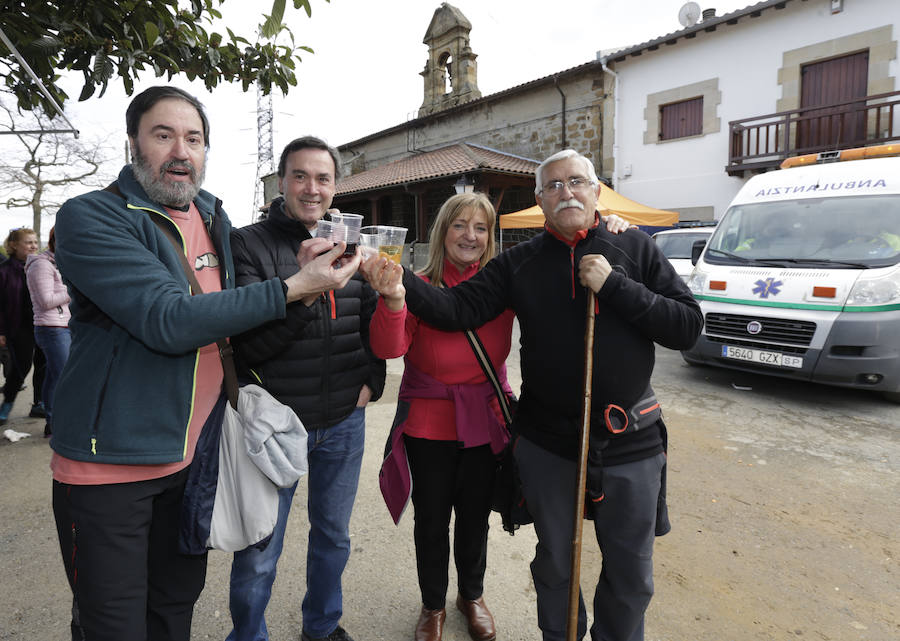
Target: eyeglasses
point(575, 184)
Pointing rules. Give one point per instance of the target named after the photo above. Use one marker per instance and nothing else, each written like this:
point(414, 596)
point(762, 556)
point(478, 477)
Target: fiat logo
point(754, 327)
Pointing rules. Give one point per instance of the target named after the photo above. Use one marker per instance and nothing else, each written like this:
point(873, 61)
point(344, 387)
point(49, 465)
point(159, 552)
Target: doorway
point(829, 82)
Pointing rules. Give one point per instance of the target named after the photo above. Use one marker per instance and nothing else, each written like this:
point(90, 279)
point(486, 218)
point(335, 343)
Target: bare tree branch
point(45, 166)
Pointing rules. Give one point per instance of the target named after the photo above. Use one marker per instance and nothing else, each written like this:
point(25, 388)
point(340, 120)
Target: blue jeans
point(335, 460)
point(54, 342)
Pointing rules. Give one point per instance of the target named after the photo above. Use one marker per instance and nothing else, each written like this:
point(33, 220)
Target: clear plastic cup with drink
point(392, 239)
point(335, 232)
point(350, 235)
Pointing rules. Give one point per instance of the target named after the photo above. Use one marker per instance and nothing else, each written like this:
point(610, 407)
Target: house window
point(681, 119)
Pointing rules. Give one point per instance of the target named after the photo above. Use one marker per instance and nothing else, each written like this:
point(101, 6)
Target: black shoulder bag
point(507, 499)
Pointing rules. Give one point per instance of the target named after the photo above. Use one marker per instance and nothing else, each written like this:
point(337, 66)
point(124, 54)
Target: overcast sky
point(364, 75)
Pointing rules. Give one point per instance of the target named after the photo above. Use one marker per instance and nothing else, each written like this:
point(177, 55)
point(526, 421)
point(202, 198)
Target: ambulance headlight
point(883, 289)
point(697, 281)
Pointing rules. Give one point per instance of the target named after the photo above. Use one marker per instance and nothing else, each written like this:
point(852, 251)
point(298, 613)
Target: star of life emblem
point(767, 287)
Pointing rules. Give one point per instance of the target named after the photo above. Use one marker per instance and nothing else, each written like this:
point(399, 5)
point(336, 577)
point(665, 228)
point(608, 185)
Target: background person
point(317, 361)
point(640, 300)
point(16, 328)
point(144, 373)
point(50, 302)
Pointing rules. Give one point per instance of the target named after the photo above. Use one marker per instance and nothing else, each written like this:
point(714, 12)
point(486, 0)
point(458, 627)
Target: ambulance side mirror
point(696, 250)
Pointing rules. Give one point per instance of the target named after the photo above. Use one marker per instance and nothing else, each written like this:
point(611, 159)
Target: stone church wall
point(526, 123)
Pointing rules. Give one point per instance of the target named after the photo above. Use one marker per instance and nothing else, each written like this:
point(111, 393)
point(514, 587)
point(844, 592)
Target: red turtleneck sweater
point(445, 356)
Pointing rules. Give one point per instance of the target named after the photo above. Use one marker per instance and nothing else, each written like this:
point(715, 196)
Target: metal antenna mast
point(264, 147)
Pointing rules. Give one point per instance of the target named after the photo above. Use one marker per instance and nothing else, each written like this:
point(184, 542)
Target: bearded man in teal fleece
point(144, 376)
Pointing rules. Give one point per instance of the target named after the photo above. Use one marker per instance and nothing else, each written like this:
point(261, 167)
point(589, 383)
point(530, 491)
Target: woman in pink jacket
point(50, 302)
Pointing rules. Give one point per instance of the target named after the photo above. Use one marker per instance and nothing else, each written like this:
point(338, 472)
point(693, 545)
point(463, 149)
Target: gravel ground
point(775, 536)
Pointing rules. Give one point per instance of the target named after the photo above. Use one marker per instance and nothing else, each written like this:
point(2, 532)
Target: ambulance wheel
point(894, 397)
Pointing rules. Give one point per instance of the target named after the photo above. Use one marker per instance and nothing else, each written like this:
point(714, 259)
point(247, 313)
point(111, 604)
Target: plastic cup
point(353, 222)
point(341, 227)
point(370, 239)
point(392, 239)
point(328, 230)
point(338, 232)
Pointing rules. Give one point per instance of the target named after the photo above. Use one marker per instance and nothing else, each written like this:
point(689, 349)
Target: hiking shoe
point(338, 634)
point(37, 411)
point(5, 409)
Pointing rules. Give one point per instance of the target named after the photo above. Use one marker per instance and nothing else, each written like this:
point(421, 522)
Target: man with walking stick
point(637, 300)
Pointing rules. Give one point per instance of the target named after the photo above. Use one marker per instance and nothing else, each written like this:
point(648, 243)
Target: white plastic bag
point(275, 437)
point(246, 505)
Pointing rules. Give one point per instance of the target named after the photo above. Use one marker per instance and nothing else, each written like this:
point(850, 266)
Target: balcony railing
point(762, 142)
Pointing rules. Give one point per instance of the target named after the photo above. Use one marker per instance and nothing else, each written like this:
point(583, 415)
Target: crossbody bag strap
point(490, 373)
point(226, 353)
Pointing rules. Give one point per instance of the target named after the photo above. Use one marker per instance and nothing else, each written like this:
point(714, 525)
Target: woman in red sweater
point(451, 458)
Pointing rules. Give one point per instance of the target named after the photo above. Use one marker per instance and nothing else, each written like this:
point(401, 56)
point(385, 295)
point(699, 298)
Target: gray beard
point(170, 194)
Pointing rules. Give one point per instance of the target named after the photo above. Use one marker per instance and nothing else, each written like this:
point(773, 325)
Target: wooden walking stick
point(581, 475)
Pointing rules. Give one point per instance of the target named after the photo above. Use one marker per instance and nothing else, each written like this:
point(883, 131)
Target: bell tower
point(450, 73)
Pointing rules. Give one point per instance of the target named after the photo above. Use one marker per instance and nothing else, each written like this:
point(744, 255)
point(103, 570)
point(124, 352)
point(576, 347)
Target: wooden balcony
point(762, 142)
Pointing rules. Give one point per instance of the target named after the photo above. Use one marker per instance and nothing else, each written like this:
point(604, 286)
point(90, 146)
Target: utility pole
point(264, 147)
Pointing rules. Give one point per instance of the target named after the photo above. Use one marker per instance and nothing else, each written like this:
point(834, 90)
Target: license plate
point(761, 356)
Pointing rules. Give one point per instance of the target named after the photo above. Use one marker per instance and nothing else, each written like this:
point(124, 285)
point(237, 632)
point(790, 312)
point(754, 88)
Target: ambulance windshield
point(858, 231)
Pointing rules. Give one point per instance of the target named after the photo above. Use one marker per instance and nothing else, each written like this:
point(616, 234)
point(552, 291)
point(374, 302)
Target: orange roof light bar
point(858, 153)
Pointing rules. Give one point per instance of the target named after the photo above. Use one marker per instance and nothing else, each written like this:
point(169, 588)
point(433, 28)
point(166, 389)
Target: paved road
point(783, 498)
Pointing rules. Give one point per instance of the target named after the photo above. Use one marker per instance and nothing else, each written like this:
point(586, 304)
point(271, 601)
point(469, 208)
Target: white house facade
point(674, 141)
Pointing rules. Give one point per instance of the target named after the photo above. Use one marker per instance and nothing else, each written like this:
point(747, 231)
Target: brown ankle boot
point(481, 623)
point(431, 624)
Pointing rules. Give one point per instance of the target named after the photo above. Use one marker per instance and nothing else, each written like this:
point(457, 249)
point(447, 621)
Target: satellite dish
point(689, 14)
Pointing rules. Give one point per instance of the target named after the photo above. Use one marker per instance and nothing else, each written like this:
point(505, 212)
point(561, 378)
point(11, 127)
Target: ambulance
point(801, 278)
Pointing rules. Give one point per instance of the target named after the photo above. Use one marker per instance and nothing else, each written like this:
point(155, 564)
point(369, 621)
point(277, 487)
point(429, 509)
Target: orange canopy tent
point(609, 201)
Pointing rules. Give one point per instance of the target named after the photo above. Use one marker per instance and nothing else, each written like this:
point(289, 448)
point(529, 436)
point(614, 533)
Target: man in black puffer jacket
point(317, 361)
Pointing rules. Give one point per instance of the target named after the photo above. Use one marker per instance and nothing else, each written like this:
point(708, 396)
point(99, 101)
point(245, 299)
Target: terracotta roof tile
point(446, 161)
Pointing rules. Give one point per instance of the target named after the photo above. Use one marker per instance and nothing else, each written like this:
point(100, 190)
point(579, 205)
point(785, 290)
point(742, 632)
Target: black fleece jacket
point(316, 359)
point(642, 301)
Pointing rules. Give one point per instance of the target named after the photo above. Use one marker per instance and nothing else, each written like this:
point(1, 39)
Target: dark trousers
point(119, 547)
point(21, 355)
point(624, 524)
point(448, 478)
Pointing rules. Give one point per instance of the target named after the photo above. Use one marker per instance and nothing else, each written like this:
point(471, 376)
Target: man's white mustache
point(568, 203)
